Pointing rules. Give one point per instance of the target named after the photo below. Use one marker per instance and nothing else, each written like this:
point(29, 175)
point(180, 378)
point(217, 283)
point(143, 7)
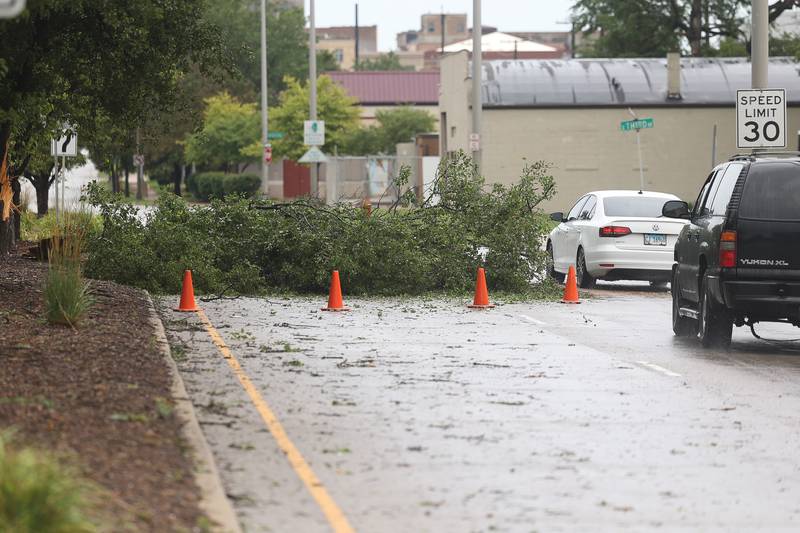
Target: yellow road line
point(333, 513)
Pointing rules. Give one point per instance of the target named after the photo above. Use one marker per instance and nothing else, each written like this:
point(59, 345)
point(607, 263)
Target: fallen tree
point(247, 247)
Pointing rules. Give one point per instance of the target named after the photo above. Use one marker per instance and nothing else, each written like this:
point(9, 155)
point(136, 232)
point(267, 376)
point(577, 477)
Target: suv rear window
point(634, 206)
point(772, 192)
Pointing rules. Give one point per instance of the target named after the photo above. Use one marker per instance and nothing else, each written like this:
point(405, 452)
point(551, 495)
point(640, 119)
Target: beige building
point(341, 42)
point(568, 112)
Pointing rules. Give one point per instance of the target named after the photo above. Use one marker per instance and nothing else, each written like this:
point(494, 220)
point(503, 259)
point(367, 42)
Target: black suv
point(738, 262)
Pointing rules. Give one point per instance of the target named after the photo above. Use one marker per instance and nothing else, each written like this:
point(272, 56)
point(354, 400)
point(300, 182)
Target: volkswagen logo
point(656, 227)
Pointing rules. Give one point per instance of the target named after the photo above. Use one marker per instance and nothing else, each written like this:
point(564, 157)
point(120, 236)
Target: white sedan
point(617, 235)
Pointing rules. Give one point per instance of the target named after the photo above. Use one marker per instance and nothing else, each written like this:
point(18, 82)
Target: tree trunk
point(6, 226)
point(42, 186)
point(176, 178)
point(695, 33)
point(127, 185)
point(16, 187)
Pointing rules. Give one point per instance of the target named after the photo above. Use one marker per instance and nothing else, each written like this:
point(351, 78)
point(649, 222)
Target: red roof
point(390, 87)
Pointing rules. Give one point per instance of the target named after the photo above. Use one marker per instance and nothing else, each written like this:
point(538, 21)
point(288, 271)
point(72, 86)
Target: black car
point(738, 262)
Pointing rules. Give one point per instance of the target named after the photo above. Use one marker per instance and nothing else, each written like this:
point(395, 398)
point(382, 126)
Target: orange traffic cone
point(335, 302)
point(571, 289)
point(187, 304)
point(481, 300)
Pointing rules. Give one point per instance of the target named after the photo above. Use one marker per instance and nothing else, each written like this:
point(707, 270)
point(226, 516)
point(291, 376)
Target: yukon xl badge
point(765, 262)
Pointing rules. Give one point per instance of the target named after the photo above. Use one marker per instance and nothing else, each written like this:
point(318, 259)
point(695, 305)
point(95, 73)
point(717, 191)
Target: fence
point(372, 177)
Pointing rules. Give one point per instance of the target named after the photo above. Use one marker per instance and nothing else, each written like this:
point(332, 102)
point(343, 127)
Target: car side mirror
point(557, 217)
point(676, 209)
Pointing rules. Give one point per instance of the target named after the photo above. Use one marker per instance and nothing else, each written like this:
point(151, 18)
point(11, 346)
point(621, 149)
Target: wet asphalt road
point(425, 416)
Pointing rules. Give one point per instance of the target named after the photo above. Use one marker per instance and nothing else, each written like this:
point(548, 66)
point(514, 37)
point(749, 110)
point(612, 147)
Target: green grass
point(66, 294)
point(39, 495)
point(33, 228)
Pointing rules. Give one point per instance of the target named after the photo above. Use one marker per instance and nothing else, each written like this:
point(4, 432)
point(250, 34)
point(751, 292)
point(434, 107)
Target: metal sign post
point(638, 124)
point(65, 146)
point(641, 163)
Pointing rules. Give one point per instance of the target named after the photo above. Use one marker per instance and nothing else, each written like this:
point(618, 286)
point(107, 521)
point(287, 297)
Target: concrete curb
point(213, 501)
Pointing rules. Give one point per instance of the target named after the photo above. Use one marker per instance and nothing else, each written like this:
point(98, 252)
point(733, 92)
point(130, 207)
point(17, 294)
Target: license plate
point(655, 239)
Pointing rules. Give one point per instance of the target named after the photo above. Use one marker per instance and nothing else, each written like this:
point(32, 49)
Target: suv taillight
point(727, 249)
point(614, 231)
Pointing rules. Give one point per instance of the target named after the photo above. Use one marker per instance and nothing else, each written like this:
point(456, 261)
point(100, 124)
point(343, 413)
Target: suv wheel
point(551, 265)
point(585, 280)
point(682, 326)
point(716, 325)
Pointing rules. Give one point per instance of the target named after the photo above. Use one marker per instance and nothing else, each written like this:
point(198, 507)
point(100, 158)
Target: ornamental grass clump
point(37, 494)
point(66, 294)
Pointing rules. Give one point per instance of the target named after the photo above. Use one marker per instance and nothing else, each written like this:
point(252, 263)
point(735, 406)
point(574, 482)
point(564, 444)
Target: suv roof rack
point(755, 154)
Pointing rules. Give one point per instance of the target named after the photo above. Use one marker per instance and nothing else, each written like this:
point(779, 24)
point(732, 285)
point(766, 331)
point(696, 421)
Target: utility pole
point(358, 43)
point(312, 84)
point(264, 103)
point(139, 167)
point(477, 100)
point(760, 44)
point(443, 21)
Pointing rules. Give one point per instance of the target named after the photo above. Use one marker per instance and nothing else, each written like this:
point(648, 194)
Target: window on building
point(338, 54)
point(461, 28)
point(431, 27)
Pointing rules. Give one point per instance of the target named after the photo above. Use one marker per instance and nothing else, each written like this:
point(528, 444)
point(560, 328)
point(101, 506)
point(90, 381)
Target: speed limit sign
point(761, 118)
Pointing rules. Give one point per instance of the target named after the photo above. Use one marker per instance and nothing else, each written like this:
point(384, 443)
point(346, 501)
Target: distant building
point(568, 112)
point(413, 46)
point(378, 90)
point(341, 42)
point(498, 45)
point(429, 35)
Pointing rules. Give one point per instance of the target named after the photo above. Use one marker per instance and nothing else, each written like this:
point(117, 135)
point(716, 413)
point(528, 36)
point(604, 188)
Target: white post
point(312, 84)
point(477, 60)
point(63, 186)
point(264, 103)
point(641, 164)
point(760, 44)
point(55, 182)
point(714, 147)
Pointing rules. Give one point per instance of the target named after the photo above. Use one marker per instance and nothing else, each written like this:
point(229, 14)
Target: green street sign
point(275, 135)
point(638, 124)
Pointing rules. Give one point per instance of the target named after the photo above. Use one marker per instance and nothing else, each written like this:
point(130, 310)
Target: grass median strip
point(336, 518)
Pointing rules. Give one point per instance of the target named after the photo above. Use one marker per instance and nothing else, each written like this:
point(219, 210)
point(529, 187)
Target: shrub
point(208, 185)
point(66, 294)
point(37, 494)
point(243, 184)
point(248, 246)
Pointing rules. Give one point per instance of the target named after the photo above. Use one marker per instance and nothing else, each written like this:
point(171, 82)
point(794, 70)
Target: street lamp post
point(477, 100)
point(264, 103)
point(760, 44)
point(312, 84)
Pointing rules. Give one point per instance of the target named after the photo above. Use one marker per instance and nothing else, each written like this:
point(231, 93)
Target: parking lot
point(417, 415)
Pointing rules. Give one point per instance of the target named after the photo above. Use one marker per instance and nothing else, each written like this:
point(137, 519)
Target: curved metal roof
point(626, 82)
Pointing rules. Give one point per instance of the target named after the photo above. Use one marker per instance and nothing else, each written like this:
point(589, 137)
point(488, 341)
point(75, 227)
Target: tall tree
point(394, 126)
point(229, 127)
point(334, 106)
point(648, 28)
point(389, 61)
point(79, 62)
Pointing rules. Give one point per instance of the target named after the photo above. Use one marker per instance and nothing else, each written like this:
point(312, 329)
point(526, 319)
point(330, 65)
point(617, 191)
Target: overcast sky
point(394, 16)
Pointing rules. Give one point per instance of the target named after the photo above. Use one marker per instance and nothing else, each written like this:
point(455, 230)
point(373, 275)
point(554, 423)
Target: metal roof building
point(626, 82)
point(380, 88)
point(569, 113)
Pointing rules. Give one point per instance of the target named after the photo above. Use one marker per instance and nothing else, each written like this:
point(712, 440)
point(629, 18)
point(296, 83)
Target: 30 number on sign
point(770, 131)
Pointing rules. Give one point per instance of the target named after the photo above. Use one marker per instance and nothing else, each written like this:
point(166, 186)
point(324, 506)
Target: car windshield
point(772, 192)
point(634, 206)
